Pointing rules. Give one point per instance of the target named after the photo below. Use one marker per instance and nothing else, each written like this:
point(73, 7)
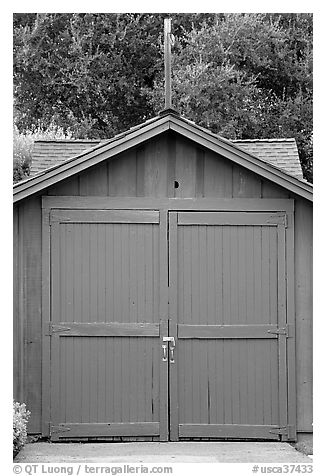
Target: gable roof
point(282, 153)
point(151, 128)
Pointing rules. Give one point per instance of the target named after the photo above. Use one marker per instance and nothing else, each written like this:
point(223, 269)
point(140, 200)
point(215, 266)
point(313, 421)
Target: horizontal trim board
point(105, 329)
point(189, 331)
point(232, 218)
point(105, 216)
point(74, 430)
point(228, 431)
point(134, 203)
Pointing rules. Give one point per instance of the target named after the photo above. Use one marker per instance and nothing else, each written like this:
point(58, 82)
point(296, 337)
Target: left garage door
point(107, 375)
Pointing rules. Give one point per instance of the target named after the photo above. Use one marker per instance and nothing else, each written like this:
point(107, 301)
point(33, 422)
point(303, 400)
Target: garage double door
point(167, 325)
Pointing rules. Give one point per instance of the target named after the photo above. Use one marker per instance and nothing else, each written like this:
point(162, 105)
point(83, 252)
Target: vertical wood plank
point(217, 176)
point(185, 168)
point(125, 279)
point(102, 383)
point(101, 285)
point(125, 389)
point(235, 385)
point(77, 272)
point(85, 267)
point(234, 276)
point(18, 342)
point(67, 187)
point(55, 399)
point(140, 171)
point(46, 316)
point(163, 387)
point(273, 274)
point(250, 277)
point(118, 378)
point(155, 167)
point(200, 158)
point(123, 175)
point(173, 314)
point(245, 183)
point(203, 318)
point(303, 230)
point(31, 307)
point(171, 163)
point(227, 381)
point(290, 311)
point(94, 181)
point(257, 261)
point(271, 190)
point(164, 314)
point(109, 274)
point(282, 323)
point(110, 360)
point(259, 380)
point(227, 297)
point(265, 284)
point(251, 382)
point(78, 378)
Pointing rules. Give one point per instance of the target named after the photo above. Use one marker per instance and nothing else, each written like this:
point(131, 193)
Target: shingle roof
point(282, 153)
point(47, 153)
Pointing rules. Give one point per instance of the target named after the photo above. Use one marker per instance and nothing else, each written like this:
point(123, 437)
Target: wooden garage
point(163, 290)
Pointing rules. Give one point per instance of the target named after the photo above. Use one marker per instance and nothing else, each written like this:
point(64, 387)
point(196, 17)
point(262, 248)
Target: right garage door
point(228, 377)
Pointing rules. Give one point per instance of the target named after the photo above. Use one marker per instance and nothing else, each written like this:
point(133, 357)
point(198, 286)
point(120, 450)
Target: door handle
point(171, 341)
point(165, 353)
point(172, 354)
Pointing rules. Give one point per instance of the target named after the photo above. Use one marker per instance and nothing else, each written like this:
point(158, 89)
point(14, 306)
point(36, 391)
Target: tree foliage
point(248, 76)
point(94, 75)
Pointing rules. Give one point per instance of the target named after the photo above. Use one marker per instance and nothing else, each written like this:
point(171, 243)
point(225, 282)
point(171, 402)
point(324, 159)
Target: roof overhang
point(148, 130)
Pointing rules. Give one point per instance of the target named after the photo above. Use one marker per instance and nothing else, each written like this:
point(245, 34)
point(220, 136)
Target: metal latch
point(171, 341)
point(283, 430)
point(280, 331)
point(55, 328)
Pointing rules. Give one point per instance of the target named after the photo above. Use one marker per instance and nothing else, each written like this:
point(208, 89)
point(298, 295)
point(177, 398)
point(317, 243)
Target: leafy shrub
point(23, 143)
point(20, 419)
point(22, 149)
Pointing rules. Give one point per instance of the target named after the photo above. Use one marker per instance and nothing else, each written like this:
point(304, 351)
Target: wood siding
point(303, 241)
point(151, 171)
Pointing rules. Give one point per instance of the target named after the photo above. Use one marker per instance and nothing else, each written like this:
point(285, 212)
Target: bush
point(20, 419)
point(23, 143)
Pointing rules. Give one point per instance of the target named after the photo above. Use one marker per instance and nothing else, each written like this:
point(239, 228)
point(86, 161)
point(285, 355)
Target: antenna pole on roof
point(168, 40)
point(167, 62)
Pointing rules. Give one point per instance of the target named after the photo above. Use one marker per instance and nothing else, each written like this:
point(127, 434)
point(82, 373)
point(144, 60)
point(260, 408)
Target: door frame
point(165, 205)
